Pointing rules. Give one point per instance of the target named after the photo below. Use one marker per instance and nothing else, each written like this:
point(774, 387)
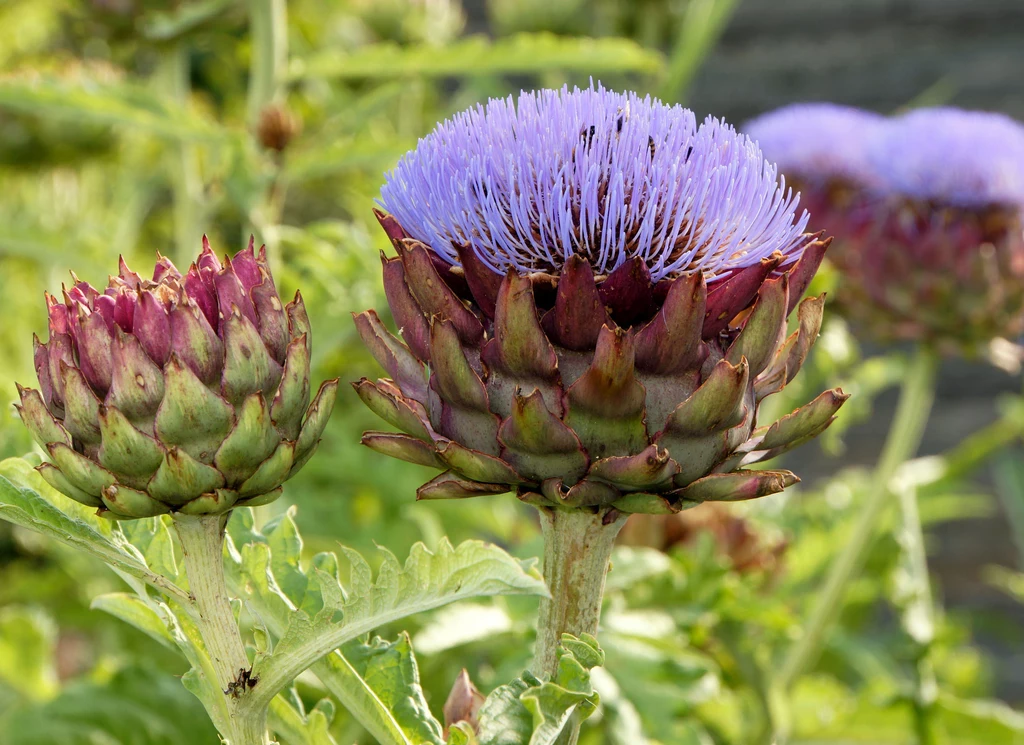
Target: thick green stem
point(904, 438)
point(202, 545)
point(577, 552)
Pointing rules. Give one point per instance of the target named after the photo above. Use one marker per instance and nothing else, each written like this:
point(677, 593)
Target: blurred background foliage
point(135, 126)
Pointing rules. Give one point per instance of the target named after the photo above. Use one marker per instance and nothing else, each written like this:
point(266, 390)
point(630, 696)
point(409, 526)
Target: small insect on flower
point(184, 393)
point(593, 291)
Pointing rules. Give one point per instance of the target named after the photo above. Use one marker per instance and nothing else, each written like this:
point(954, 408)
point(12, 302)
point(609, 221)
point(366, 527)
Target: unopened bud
point(277, 127)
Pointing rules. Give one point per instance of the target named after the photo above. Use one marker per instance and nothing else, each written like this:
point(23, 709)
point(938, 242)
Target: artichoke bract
point(593, 294)
point(927, 212)
point(184, 393)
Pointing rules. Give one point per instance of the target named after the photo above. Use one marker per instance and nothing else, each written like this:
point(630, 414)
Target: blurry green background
point(136, 126)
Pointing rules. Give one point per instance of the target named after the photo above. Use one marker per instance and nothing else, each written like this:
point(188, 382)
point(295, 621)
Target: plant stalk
point(703, 23)
point(916, 397)
point(268, 29)
point(577, 552)
point(202, 544)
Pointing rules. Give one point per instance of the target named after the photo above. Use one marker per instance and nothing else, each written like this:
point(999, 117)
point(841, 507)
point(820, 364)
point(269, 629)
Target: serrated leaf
point(474, 56)
point(153, 538)
point(28, 501)
point(372, 702)
point(286, 552)
point(528, 710)
point(358, 696)
point(428, 580)
point(390, 669)
point(294, 727)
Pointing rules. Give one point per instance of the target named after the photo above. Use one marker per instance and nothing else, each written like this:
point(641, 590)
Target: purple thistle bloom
point(954, 157)
point(528, 184)
point(592, 293)
point(818, 142)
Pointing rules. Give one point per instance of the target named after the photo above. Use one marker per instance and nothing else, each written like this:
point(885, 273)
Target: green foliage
point(520, 54)
point(529, 710)
point(130, 133)
point(304, 608)
point(136, 706)
point(309, 611)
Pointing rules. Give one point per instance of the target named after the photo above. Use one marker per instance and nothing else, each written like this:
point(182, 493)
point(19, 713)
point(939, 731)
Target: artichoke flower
point(824, 151)
point(928, 221)
point(593, 294)
point(184, 393)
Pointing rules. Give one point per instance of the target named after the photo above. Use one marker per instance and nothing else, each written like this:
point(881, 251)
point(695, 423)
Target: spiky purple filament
point(610, 176)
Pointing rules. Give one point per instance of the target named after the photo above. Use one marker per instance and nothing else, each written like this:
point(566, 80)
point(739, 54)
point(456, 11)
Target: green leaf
point(462, 624)
point(389, 668)
point(161, 25)
point(136, 612)
point(989, 722)
point(475, 56)
point(28, 501)
point(294, 727)
point(632, 565)
point(135, 707)
point(360, 698)
point(428, 580)
point(309, 600)
point(118, 104)
point(528, 710)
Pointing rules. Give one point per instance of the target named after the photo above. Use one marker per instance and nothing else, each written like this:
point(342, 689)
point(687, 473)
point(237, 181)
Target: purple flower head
point(961, 158)
point(610, 176)
point(819, 142)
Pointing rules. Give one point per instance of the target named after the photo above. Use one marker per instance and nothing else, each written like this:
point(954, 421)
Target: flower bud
point(185, 393)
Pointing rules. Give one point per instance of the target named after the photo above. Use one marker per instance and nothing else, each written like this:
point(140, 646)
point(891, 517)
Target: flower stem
point(918, 619)
point(904, 437)
point(202, 544)
point(577, 552)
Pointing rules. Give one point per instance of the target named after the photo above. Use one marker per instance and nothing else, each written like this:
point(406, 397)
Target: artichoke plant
point(184, 393)
point(927, 213)
point(593, 294)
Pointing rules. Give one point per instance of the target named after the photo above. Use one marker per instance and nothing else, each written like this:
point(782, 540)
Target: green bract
point(184, 393)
